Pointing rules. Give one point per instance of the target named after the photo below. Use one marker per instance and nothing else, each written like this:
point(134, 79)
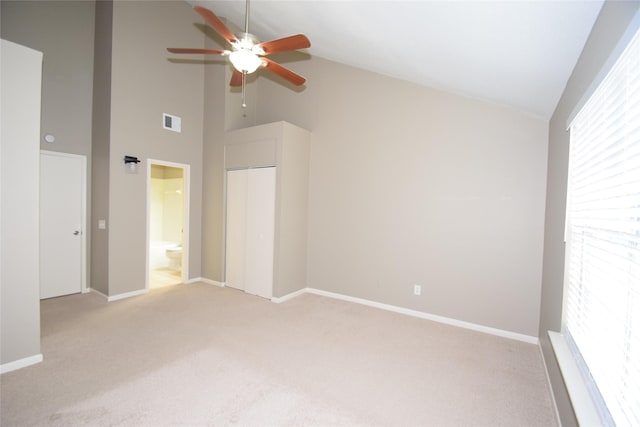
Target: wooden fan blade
point(299, 41)
point(283, 72)
point(216, 23)
point(189, 50)
point(236, 78)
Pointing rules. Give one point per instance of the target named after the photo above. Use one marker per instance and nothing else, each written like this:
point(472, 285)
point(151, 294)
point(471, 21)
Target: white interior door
point(250, 230)
point(236, 228)
point(62, 189)
point(260, 231)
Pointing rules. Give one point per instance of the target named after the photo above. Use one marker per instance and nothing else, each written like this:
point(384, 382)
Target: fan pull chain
point(244, 76)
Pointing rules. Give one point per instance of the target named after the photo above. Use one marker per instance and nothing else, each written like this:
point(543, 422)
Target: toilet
point(175, 258)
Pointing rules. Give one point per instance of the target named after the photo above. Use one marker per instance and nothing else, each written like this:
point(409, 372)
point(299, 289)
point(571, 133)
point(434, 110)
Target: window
point(602, 283)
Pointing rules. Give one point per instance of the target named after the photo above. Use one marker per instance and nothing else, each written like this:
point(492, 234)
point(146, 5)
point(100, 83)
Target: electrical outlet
point(417, 289)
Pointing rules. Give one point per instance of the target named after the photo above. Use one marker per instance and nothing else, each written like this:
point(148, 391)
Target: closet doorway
point(167, 223)
point(250, 231)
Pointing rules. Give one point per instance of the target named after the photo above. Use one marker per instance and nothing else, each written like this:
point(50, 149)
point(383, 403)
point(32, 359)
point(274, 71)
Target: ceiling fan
point(247, 53)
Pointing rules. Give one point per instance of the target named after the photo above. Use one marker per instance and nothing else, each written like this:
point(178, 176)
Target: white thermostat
point(170, 122)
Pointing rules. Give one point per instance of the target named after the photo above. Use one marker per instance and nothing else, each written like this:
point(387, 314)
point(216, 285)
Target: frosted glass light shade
point(131, 167)
point(245, 61)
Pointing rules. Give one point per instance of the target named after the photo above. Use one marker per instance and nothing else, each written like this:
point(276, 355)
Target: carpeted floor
point(195, 355)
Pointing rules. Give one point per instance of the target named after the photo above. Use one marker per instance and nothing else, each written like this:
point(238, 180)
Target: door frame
point(186, 176)
point(83, 214)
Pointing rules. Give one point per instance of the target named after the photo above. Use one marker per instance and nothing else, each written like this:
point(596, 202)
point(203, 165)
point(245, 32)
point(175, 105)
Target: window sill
point(583, 405)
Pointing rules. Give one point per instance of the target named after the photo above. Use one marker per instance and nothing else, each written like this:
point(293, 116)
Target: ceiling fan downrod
point(244, 73)
point(246, 18)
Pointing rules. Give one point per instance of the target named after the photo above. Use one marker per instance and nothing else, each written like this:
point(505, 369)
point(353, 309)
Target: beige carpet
point(194, 355)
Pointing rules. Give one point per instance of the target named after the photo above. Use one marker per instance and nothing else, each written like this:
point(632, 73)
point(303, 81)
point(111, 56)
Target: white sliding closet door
point(236, 226)
point(261, 202)
point(251, 196)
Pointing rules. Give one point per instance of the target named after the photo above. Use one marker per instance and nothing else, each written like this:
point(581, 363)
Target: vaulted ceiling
point(515, 53)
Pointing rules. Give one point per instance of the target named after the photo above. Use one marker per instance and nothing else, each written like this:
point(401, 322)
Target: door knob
point(75, 233)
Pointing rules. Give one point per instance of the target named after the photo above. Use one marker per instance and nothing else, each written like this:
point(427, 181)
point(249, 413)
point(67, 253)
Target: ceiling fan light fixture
point(245, 61)
point(247, 53)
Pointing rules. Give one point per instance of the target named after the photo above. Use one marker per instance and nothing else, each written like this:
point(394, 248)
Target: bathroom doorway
point(167, 223)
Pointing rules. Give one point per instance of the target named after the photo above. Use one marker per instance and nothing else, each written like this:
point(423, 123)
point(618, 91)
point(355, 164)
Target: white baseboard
point(292, 295)
point(95, 291)
point(422, 315)
point(20, 363)
point(119, 296)
point(209, 282)
point(126, 295)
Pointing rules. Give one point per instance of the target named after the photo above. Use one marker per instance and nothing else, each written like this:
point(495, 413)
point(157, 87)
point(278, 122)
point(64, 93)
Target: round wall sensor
point(49, 138)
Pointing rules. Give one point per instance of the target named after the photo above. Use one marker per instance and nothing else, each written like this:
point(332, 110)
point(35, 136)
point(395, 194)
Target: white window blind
point(602, 285)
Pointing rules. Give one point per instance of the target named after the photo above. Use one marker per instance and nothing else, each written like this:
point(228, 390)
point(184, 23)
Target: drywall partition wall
point(411, 185)
point(286, 146)
point(21, 78)
point(293, 209)
point(612, 23)
point(64, 32)
point(101, 138)
point(215, 87)
point(145, 83)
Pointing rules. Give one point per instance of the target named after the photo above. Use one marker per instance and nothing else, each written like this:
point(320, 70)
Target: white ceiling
point(515, 53)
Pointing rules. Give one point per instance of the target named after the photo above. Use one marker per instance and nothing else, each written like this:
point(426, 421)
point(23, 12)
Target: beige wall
point(409, 185)
point(144, 84)
point(101, 138)
point(216, 89)
point(292, 212)
point(63, 31)
point(21, 78)
point(610, 26)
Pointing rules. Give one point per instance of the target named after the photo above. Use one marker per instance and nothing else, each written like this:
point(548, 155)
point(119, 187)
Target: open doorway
point(167, 223)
